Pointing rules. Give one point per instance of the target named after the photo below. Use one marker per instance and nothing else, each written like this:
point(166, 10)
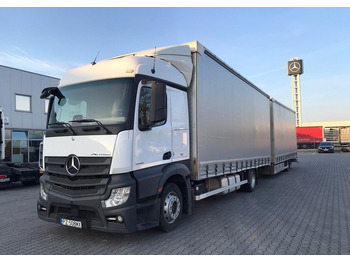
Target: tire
point(171, 206)
point(288, 165)
point(252, 181)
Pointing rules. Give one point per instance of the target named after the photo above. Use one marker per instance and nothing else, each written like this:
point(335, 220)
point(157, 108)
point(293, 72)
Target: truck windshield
point(106, 101)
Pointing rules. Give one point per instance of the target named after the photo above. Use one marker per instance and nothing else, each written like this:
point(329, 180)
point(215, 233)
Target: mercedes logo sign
point(294, 67)
point(72, 165)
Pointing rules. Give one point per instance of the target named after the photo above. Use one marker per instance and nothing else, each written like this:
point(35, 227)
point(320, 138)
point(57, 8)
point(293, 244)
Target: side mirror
point(53, 91)
point(47, 92)
point(158, 103)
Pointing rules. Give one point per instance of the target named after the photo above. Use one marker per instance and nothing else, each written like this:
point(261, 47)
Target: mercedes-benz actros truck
point(132, 142)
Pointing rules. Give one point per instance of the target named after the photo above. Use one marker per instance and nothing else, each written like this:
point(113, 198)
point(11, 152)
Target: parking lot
point(303, 211)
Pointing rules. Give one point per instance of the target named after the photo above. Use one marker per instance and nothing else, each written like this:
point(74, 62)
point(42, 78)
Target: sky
point(256, 41)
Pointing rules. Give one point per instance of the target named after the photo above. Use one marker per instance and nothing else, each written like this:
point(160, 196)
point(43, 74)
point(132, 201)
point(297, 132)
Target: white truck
point(133, 141)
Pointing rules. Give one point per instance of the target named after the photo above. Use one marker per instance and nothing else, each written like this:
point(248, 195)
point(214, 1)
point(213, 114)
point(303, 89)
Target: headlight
point(42, 191)
point(118, 196)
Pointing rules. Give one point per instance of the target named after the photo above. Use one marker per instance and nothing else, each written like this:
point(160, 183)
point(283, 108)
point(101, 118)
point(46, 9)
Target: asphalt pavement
point(303, 211)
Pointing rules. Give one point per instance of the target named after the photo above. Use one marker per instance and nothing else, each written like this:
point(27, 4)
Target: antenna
point(94, 62)
point(153, 70)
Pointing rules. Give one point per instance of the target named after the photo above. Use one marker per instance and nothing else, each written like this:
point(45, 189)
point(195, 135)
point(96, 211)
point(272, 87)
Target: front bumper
point(325, 150)
point(90, 211)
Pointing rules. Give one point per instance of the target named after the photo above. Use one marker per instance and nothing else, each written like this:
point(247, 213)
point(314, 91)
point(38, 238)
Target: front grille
point(92, 178)
point(89, 165)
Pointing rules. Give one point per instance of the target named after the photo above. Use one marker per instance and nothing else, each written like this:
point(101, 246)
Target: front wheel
point(171, 207)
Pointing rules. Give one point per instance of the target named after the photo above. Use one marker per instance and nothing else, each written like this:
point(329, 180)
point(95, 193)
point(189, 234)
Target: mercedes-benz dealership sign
point(295, 67)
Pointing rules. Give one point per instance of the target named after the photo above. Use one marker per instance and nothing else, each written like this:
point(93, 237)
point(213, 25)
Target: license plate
point(71, 223)
point(2, 180)
point(325, 149)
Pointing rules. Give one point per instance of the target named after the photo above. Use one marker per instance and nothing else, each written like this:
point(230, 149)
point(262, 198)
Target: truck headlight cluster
point(43, 194)
point(118, 196)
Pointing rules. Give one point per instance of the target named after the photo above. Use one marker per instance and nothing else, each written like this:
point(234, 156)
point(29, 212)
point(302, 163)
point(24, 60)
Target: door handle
point(167, 155)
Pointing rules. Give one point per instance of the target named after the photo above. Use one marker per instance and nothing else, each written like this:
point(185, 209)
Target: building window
point(19, 146)
point(35, 138)
point(8, 148)
point(23, 103)
point(24, 146)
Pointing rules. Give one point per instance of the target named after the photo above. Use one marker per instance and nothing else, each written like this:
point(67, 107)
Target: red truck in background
point(309, 137)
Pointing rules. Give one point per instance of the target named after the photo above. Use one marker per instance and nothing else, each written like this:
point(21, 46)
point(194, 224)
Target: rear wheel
point(251, 177)
point(287, 165)
point(171, 207)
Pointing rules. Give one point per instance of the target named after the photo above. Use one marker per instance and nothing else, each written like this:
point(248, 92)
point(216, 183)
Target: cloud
point(20, 59)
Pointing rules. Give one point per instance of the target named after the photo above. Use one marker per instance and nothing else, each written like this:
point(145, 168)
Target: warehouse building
point(25, 113)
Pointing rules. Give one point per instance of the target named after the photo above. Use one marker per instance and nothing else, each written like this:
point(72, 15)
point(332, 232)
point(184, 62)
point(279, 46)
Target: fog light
point(118, 196)
point(120, 219)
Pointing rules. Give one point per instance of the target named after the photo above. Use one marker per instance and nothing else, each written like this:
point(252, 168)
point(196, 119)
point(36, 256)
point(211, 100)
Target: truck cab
point(116, 149)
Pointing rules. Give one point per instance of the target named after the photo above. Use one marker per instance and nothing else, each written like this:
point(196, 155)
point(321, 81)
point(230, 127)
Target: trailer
point(283, 138)
point(309, 137)
point(133, 141)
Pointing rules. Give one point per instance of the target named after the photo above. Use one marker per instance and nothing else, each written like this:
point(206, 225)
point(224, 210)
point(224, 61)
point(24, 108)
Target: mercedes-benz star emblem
point(294, 67)
point(73, 165)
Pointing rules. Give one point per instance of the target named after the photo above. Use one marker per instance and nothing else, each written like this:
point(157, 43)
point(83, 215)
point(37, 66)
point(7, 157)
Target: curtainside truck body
point(133, 141)
point(283, 138)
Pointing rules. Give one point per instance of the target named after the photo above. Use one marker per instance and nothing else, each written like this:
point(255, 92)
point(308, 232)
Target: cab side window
point(145, 109)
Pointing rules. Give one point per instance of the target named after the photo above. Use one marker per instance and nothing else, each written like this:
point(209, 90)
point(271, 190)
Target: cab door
point(152, 140)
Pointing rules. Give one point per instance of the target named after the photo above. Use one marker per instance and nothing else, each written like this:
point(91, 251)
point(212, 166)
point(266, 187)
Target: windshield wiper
point(64, 124)
point(89, 120)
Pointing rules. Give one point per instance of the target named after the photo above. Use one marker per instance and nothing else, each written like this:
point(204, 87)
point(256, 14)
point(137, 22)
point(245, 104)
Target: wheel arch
point(179, 174)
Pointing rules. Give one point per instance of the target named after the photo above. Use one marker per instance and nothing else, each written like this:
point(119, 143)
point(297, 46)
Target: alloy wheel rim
point(172, 207)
